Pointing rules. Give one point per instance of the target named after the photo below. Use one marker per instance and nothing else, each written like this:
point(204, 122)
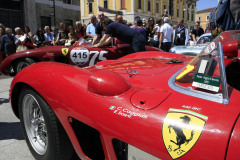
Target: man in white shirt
point(166, 36)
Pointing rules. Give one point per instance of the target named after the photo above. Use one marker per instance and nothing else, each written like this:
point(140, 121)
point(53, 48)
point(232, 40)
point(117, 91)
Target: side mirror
point(230, 49)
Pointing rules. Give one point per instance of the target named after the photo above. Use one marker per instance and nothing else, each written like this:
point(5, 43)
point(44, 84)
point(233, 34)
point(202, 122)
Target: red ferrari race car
point(80, 54)
point(142, 106)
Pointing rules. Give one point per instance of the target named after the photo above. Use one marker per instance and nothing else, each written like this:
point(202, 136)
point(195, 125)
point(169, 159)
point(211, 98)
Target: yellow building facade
point(203, 17)
point(182, 9)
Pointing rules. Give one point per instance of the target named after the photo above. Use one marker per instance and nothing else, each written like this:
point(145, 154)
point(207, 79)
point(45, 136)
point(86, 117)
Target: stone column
point(133, 6)
point(97, 7)
point(114, 4)
point(82, 8)
point(153, 8)
point(30, 17)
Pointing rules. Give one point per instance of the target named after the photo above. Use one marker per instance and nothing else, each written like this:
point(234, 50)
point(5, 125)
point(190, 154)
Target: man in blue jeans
point(124, 34)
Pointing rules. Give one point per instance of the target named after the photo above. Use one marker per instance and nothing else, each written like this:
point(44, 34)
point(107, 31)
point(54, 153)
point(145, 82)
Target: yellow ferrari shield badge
point(64, 51)
point(181, 130)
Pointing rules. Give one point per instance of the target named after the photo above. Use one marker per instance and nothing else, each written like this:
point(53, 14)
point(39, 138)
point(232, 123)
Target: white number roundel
point(79, 56)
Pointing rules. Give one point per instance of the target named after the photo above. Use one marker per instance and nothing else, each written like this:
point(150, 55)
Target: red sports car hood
point(148, 72)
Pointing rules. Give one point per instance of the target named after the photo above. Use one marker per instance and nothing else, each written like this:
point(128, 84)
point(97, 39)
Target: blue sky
point(204, 4)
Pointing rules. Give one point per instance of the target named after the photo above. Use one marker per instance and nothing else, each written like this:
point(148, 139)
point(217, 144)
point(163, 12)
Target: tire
point(45, 136)
point(22, 64)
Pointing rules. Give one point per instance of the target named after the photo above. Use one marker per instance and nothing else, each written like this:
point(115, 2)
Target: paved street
point(12, 143)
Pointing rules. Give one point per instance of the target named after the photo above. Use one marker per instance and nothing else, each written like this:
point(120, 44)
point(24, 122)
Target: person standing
point(119, 19)
point(48, 35)
point(63, 34)
point(72, 36)
point(91, 28)
point(8, 45)
point(208, 28)
point(157, 32)
point(99, 29)
point(124, 34)
point(166, 36)
point(150, 31)
point(39, 38)
point(181, 34)
point(18, 36)
point(140, 29)
point(80, 30)
point(28, 42)
point(55, 36)
point(165, 13)
point(197, 32)
point(1, 35)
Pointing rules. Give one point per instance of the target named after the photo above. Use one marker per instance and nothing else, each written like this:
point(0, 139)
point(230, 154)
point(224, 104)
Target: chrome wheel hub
point(34, 124)
point(21, 65)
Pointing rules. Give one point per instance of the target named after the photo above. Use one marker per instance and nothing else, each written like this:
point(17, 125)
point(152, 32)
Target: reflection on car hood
point(146, 69)
point(195, 49)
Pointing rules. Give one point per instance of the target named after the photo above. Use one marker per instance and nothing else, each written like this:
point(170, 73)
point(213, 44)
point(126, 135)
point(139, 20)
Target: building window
point(164, 6)
point(199, 18)
point(90, 7)
point(68, 22)
point(188, 18)
point(105, 4)
point(208, 17)
point(183, 2)
point(67, 1)
point(177, 1)
point(122, 4)
point(183, 14)
point(139, 4)
point(45, 21)
point(157, 7)
point(192, 17)
point(149, 5)
point(177, 12)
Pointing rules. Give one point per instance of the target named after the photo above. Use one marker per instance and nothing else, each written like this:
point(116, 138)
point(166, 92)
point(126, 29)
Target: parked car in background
point(193, 50)
point(150, 106)
point(80, 54)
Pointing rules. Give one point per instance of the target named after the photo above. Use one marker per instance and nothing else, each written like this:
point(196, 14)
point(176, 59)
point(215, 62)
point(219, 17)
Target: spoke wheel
point(44, 134)
point(34, 124)
point(20, 65)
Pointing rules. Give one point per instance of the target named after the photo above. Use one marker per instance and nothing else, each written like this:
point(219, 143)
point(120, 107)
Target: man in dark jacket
point(181, 34)
point(124, 34)
point(8, 43)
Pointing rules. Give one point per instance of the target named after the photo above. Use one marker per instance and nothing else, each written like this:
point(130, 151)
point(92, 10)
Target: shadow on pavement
point(11, 130)
point(3, 100)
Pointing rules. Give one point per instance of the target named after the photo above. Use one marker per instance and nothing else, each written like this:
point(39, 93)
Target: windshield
point(202, 74)
point(205, 39)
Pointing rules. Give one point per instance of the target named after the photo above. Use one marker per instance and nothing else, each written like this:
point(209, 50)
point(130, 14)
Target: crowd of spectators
point(157, 33)
point(23, 39)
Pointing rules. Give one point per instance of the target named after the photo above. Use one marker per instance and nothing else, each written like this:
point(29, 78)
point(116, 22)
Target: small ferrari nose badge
point(131, 72)
point(181, 131)
point(64, 51)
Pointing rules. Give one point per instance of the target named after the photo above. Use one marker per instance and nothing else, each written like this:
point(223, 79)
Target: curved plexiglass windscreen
point(203, 72)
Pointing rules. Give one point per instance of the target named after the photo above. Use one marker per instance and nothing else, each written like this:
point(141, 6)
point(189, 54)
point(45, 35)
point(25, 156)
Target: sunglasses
point(102, 15)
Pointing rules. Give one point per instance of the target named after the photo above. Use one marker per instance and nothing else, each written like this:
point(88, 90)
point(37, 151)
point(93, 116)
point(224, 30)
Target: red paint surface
point(66, 91)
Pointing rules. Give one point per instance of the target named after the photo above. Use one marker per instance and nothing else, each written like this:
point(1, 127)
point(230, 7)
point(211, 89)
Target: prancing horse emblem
point(181, 130)
point(180, 136)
